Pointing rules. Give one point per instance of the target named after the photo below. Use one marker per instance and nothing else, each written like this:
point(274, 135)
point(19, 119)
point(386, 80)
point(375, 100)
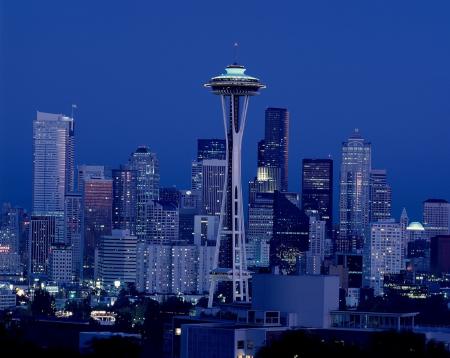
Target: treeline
point(306, 344)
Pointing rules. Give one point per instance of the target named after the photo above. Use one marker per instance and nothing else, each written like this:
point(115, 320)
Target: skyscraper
point(74, 231)
point(234, 88)
point(211, 149)
point(386, 250)
point(188, 208)
point(97, 198)
point(53, 177)
point(213, 180)
point(354, 192)
point(436, 217)
point(154, 268)
point(124, 199)
point(170, 194)
point(273, 150)
point(317, 189)
point(404, 222)
point(184, 273)
point(260, 229)
point(10, 234)
point(116, 264)
point(88, 172)
point(290, 238)
point(42, 235)
point(207, 149)
point(162, 223)
point(380, 201)
point(60, 263)
point(146, 165)
point(53, 163)
point(316, 250)
point(196, 175)
point(205, 237)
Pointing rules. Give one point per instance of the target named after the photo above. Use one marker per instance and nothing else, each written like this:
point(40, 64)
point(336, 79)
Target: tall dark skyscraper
point(290, 233)
point(211, 149)
point(317, 189)
point(97, 198)
point(124, 199)
point(273, 150)
point(380, 196)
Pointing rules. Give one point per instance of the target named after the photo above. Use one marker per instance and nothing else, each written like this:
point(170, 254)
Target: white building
point(436, 217)
point(205, 266)
point(316, 253)
point(61, 265)
point(260, 229)
point(213, 179)
point(184, 269)
point(154, 268)
point(117, 259)
point(386, 252)
point(53, 168)
point(42, 236)
point(9, 261)
point(205, 237)
point(53, 177)
point(7, 297)
point(161, 223)
point(310, 297)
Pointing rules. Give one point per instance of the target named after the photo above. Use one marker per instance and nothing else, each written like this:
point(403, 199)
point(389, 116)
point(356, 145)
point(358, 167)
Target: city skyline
point(136, 220)
point(419, 115)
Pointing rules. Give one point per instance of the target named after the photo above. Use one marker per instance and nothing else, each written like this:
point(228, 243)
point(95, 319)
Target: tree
point(43, 303)
point(379, 344)
point(80, 309)
point(175, 306)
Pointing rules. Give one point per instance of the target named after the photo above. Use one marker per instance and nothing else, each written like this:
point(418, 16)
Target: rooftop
point(436, 201)
point(415, 226)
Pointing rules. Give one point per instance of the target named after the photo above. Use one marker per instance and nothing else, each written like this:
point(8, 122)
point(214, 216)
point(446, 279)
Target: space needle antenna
point(236, 48)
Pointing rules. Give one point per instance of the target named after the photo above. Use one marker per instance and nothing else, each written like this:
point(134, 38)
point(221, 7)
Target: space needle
point(229, 275)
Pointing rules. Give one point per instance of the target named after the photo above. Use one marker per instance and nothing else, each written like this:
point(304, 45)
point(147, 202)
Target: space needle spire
point(229, 277)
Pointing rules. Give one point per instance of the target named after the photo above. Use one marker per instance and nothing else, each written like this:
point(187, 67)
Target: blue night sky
point(136, 68)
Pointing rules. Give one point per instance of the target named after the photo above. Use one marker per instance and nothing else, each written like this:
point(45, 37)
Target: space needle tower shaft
point(229, 276)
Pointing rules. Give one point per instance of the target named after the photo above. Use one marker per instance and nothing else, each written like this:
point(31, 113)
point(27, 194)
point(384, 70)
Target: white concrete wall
point(310, 297)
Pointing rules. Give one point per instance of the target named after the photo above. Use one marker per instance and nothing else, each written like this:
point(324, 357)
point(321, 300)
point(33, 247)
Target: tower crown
point(235, 82)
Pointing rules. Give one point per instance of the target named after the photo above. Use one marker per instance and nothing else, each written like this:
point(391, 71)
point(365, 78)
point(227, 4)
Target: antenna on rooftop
point(74, 106)
point(236, 48)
